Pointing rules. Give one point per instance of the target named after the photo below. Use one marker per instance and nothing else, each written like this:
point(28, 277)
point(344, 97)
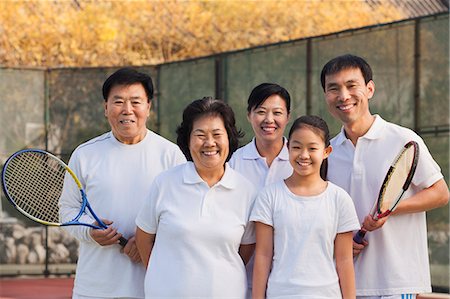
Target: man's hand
point(371, 224)
point(107, 236)
point(131, 250)
point(358, 248)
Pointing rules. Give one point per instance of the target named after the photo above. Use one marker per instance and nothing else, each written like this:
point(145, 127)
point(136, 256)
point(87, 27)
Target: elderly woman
point(193, 232)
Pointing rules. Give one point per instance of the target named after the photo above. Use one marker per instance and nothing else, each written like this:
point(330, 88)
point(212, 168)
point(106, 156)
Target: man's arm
point(433, 197)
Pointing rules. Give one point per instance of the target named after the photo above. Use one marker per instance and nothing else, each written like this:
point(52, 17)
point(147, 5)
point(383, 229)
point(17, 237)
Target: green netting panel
point(22, 110)
point(438, 219)
point(283, 64)
point(390, 52)
point(434, 72)
point(21, 123)
point(180, 84)
point(76, 107)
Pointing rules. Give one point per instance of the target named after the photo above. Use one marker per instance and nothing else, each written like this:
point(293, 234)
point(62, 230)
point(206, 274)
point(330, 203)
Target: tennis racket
point(396, 182)
point(33, 180)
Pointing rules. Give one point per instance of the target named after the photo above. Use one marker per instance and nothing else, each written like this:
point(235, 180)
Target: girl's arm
point(263, 259)
point(144, 243)
point(344, 264)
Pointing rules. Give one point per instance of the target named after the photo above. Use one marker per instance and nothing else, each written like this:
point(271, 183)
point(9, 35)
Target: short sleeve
point(249, 236)
point(348, 220)
point(263, 208)
point(147, 218)
point(428, 171)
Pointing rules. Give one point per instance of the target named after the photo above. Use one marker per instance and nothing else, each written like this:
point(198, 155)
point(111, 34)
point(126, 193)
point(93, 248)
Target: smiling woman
point(208, 137)
point(200, 212)
point(209, 148)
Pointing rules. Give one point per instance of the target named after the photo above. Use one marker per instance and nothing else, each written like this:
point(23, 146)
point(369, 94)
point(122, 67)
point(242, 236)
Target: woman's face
point(269, 119)
point(209, 144)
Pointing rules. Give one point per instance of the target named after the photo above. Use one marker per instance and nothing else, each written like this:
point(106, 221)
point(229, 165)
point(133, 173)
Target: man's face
point(127, 109)
point(347, 95)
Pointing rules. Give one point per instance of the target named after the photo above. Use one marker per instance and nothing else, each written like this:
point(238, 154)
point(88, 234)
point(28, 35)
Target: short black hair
point(264, 90)
point(204, 107)
point(128, 76)
point(347, 61)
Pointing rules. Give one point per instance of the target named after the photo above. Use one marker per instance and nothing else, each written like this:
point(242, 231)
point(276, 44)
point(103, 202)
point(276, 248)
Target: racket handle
point(359, 236)
point(123, 241)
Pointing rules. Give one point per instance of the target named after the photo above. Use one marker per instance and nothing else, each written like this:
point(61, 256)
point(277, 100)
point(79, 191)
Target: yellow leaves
point(102, 33)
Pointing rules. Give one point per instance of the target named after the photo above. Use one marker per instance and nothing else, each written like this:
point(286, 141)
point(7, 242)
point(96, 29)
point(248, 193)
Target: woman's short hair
point(207, 106)
point(264, 90)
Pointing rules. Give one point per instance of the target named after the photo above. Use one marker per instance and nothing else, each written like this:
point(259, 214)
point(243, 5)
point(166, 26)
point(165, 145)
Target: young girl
point(304, 225)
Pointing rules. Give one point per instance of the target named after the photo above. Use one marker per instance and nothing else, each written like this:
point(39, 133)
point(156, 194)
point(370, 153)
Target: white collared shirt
point(396, 260)
point(253, 166)
point(198, 233)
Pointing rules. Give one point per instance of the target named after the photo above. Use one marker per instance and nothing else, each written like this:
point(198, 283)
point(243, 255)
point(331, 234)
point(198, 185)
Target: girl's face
point(307, 151)
point(269, 119)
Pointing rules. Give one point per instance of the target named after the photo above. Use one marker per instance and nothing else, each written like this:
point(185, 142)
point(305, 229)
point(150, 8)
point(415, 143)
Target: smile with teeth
point(126, 121)
point(210, 153)
point(345, 107)
point(303, 163)
point(268, 129)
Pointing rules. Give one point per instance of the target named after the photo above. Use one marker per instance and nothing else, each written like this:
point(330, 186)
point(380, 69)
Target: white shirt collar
point(251, 152)
point(375, 131)
point(191, 176)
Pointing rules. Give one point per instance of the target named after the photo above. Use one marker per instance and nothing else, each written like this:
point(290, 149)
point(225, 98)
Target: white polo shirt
point(249, 162)
point(396, 260)
point(198, 234)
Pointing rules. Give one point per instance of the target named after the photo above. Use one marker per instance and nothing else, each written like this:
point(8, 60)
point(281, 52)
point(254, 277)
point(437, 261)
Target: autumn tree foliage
point(109, 33)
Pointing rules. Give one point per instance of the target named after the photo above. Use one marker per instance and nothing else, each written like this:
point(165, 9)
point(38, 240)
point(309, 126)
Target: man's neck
point(359, 128)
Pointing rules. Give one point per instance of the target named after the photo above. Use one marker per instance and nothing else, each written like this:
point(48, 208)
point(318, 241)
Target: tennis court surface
point(36, 288)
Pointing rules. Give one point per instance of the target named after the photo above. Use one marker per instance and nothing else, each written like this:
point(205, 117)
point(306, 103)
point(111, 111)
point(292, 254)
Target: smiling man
point(116, 169)
point(393, 261)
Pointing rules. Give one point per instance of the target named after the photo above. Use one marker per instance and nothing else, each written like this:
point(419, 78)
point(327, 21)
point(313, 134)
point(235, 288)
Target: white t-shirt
point(247, 161)
point(305, 228)
point(396, 260)
point(198, 234)
point(117, 178)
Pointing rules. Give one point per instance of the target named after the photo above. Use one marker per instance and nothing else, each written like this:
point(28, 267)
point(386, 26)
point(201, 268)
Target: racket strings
point(34, 182)
point(398, 175)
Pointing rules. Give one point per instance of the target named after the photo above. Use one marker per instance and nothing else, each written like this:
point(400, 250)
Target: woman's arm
point(144, 243)
point(246, 252)
point(343, 252)
point(263, 259)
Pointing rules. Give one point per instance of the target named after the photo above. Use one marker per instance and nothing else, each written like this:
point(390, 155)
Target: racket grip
point(359, 236)
point(123, 241)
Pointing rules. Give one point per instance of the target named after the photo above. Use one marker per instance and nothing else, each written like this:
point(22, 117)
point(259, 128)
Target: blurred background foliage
point(111, 33)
